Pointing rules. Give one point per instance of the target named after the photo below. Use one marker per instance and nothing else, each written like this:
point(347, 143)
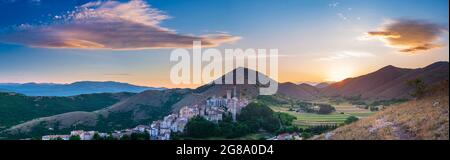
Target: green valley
point(17, 108)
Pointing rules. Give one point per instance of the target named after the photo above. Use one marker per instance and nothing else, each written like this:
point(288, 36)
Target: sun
point(339, 73)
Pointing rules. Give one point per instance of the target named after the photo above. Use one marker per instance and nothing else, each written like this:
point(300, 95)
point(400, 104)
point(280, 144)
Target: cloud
point(110, 25)
point(384, 34)
point(333, 4)
point(343, 13)
point(423, 47)
point(342, 16)
point(410, 35)
point(347, 54)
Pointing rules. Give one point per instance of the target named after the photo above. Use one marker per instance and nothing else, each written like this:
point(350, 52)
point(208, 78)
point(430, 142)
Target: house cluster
point(231, 103)
point(89, 135)
point(56, 137)
point(83, 135)
point(212, 110)
point(287, 136)
point(161, 129)
point(140, 129)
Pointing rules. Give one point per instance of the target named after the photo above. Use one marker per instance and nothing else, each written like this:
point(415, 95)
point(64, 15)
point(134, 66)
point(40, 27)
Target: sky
point(54, 41)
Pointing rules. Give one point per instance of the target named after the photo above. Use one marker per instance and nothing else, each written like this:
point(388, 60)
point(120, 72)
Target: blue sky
point(312, 33)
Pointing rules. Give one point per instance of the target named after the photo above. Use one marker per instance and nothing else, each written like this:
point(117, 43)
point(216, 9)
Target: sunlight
point(339, 73)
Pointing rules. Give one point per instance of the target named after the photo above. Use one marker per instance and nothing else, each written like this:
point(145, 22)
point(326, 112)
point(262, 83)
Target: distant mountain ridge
point(388, 82)
point(302, 91)
point(323, 84)
point(72, 89)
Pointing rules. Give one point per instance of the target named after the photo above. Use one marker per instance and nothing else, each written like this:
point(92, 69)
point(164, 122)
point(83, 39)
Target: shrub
point(419, 87)
point(199, 127)
point(75, 138)
point(351, 119)
point(326, 109)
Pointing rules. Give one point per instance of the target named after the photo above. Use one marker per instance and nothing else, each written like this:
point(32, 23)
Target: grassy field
point(349, 109)
point(343, 111)
point(362, 115)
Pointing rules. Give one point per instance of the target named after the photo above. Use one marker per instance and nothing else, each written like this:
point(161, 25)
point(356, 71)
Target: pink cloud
point(410, 35)
point(110, 25)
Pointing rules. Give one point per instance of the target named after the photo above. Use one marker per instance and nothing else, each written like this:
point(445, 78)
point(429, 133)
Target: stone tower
point(228, 94)
point(233, 110)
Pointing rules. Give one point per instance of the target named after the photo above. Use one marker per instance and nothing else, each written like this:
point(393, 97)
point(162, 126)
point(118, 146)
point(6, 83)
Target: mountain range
point(72, 89)
point(386, 83)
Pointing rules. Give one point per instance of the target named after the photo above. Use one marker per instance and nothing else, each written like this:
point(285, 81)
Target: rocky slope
point(425, 118)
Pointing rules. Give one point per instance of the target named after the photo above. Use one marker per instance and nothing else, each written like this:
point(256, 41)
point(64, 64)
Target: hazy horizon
point(300, 82)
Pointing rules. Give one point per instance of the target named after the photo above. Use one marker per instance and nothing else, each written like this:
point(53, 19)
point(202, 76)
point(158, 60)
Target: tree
point(125, 137)
point(140, 136)
point(75, 138)
point(288, 129)
point(286, 119)
point(271, 124)
point(97, 137)
point(58, 139)
point(419, 87)
point(110, 137)
point(373, 108)
point(199, 127)
point(241, 130)
point(325, 109)
point(306, 135)
point(227, 129)
point(351, 119)
point(259, 116)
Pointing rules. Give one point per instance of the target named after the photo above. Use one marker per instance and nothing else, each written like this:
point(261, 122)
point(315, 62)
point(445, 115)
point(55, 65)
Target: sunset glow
point(340, 73)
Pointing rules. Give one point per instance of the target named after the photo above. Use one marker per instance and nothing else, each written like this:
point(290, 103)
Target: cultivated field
point(349, 109)
point(343, 111)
